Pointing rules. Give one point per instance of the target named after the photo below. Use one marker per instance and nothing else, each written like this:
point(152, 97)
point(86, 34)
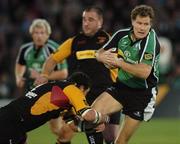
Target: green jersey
point(34, 58)
point(146, 50)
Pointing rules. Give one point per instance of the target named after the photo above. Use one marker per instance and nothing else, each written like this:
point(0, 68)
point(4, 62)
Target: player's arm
point(20, 68)
point(140, 70)
point(73, 96)
point(108, 48)
point(48, 72)
point(63, 52)
point(78, 101)
point(19, 72)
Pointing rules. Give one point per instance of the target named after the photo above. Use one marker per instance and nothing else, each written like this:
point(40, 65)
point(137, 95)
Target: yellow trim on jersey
point(76, 97)
point(85, 54)
point(64, 50)
point(43, 105)
point(120, 53)
point(114, 74)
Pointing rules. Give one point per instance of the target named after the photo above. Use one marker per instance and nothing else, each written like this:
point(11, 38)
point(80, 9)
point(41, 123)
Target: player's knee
point(95, 116)
point(89, 115)
point(110, 133)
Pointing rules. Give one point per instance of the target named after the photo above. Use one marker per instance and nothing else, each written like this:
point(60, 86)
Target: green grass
point(157, 131)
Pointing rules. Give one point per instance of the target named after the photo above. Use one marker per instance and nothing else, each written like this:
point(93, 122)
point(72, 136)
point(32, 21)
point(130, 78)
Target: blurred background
point(64, 17)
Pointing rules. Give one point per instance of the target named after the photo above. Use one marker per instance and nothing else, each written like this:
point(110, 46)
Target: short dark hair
point(96, 9)
point(81, 79)
point(143, 11)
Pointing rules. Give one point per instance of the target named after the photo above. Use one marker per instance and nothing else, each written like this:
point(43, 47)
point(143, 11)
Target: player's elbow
point(64, 73)
point(144, 71)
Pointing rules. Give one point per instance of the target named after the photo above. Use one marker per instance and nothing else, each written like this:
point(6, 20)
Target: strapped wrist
point(45, 75)
point(96, 54)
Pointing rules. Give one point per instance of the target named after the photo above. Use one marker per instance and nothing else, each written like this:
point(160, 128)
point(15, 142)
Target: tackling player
point(44, 103)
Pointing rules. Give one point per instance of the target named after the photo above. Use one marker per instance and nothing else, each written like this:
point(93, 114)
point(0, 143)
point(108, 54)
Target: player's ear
point(84, 90)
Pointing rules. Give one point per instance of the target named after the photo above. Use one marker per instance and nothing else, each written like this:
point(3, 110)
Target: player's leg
point(94, 137)
point(112, 128)
point(106, 104)
point(163, 90)
point(130, 125)
point(98, 104)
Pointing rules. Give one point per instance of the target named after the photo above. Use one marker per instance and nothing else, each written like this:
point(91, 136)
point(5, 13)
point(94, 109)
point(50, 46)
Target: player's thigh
point(106, 104)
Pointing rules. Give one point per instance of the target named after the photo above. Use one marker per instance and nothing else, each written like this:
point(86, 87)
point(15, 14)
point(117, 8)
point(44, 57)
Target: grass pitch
point(157, 131)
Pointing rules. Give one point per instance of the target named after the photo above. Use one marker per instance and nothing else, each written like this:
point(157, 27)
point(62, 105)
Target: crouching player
point(44, 103)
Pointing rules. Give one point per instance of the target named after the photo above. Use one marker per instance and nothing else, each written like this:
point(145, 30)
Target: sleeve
point(63, 51)
point(52, 48)
point(149, 49)
point(76, 98)
point(113, 42)
point(20, 57)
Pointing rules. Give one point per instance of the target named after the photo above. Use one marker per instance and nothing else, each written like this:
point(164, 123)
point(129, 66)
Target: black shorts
point(137, 103)
point(14, 140)
point(10, 131)
point(93, 94)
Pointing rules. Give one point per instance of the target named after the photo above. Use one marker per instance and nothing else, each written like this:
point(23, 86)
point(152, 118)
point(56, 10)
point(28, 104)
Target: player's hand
point(40, 80)
point(114, 62)
point(100, 127)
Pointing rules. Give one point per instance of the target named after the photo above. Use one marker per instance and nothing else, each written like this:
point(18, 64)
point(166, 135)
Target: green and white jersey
point(146, 50)
point(34, 58)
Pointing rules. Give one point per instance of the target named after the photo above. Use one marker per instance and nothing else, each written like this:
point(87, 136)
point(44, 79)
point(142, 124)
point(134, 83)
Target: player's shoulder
point(27, 45)
point(152, 32)
point(121, 33)
point(124, 31)
point(52, 44)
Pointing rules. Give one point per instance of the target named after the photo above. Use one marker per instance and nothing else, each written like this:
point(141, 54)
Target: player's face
point(141, 26)
point(39, 36)
point(91, 23)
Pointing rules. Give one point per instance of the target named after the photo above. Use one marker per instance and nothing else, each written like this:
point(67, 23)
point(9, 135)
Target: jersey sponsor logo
point(127, 53)
point(81, 42)
point(86, 54)
point(31, 94)
point(111, 88)
point(148, 56)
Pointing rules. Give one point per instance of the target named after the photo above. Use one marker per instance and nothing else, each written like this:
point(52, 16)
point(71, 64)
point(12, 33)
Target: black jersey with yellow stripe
point(83, 59)
point(37, 106)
